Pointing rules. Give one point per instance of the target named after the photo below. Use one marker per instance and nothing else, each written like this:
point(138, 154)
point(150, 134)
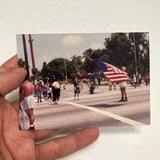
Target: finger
point(10, 80)
point(63, 146)
point(39, 134)
point(15, 104)
point(11, 63)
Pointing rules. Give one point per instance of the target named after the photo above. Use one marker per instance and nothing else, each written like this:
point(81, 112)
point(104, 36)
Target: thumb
point(11, 79)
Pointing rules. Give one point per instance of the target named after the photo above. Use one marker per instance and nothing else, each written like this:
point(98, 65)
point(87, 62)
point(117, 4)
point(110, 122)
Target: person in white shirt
point(56, 91)
point(134, 81)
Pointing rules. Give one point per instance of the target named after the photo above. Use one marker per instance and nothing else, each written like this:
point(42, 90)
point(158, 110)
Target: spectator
point(39, 90)
point(146, 79)
point(139, 79)
point(76, 88)
point(134, 81)
point(56, 91)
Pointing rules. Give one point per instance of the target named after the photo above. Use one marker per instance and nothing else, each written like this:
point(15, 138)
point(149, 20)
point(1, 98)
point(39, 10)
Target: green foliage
point(141, 42)
point(56, 67)
point(120, 48)
point(21, 62)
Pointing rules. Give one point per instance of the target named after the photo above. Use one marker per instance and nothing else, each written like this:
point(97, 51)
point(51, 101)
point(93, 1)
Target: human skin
point(20, 145)
point(27, 89)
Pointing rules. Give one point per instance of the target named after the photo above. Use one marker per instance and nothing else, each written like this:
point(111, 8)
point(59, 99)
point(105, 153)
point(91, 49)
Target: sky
point(47, 47)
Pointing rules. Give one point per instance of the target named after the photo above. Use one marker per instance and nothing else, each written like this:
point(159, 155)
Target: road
point(99, 109)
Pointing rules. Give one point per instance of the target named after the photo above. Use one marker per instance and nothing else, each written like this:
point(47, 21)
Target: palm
point(16, 144)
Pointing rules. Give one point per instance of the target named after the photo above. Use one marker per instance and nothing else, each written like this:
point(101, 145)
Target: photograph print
point(84, 80)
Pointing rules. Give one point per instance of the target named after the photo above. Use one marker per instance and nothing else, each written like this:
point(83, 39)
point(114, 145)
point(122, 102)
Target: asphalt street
point(99, 109)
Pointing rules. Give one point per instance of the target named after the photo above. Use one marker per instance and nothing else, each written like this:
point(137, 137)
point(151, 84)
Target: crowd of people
point(52, 90)
point(139, 80)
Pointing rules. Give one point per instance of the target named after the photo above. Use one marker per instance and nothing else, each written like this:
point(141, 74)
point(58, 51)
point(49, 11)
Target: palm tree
point(21, 62)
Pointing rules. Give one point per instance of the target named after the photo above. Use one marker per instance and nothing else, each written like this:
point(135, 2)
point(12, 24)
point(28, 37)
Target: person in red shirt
point(39, 90)
point(146, 79)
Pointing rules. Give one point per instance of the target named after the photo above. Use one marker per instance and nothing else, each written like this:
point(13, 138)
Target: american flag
point(112, 72)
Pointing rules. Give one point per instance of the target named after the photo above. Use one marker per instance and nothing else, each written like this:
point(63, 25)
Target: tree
point(21, 62)
point(141, 43)
point(88, 64)
point(44, 70)
point(56, 67)
point(120, 49)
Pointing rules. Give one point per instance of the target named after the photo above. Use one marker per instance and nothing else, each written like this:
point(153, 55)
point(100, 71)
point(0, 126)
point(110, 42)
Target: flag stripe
point(112, 72)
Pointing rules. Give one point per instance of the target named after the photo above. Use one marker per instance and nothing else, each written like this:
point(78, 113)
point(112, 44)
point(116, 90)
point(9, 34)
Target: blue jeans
point(39, 95)
point(134, 83)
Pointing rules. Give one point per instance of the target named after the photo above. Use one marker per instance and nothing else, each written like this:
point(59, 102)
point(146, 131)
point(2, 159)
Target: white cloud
point(72, 40)
point(96, 45)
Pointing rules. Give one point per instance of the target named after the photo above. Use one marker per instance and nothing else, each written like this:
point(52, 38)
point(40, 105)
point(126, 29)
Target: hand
point(20, 145)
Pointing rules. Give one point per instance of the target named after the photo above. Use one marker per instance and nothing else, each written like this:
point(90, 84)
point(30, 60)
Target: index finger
point(11, 63)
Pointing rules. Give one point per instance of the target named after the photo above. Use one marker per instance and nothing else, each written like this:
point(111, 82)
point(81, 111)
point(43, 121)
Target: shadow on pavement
point(106, 105)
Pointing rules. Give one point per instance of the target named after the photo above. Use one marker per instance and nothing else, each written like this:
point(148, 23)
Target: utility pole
point(25, 56)
point(65, 70)
point(31, 48)
point(135, 55)
point(34, 69)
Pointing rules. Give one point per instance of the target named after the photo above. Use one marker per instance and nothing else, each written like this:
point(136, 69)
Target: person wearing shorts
point(27, 101)
point(122, 86)
point(76, 88)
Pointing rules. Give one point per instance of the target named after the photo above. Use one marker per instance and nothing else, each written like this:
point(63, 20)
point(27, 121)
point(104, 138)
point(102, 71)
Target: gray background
point(85, 16)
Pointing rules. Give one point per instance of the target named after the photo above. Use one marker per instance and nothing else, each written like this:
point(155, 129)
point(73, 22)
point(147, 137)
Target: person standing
point(122, 86)
point(139, 79)
point(134, 81)
point(27, 101)
point(110, 85)
point(114, 86)
point(81, 84)
point(96, 82)
point(99, 81)
point(92, 87)
point(76, 88)
point(56, 91)
point(49, 91)
point(146, 79)
point(45, 91)
point(39, 90)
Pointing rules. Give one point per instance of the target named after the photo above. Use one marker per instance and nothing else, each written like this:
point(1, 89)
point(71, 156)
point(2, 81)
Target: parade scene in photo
point(104, 81)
